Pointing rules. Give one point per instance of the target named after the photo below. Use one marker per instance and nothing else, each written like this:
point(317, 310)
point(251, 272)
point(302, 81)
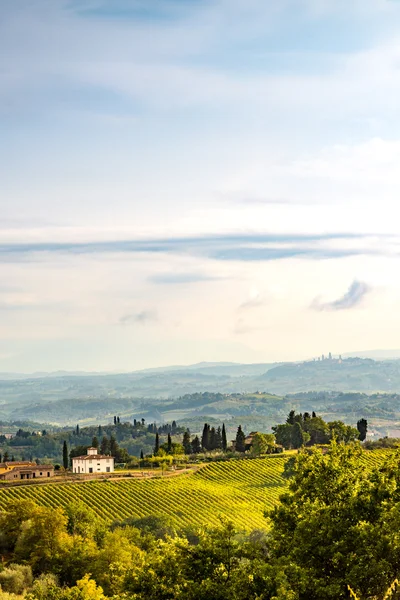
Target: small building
point(17, 471)
point(11, 464)
point(93, 463)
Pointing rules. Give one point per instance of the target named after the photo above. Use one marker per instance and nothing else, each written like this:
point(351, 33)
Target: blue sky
point(197, 180)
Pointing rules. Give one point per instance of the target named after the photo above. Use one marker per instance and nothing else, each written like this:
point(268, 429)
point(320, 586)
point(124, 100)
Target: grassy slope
point(240, 490)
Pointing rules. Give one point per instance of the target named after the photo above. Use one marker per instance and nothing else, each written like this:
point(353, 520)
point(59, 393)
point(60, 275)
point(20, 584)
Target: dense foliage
point(129, 438)
point(309, 429)
point(336, 526)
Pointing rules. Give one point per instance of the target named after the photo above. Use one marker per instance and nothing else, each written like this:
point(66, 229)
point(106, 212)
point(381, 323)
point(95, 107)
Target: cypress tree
point(169, 444)
point(187, 446)
point(77, 430)
point(205, 438)
point(115, 420)
point(5, 457)
point(12, 458)
point(213, 438)
point(196, 446)
point(218, 439)
point(95, 443)
point(290, 418)
point(156, 445)
point(362, 426)
point(118, 420)
point(105, 445)
point(224, 442)
point(114, 449)
point(65, 455)
point(240, 437)
point(0, 458)
point(100, 432)
point(313, 414)
point(141, 455)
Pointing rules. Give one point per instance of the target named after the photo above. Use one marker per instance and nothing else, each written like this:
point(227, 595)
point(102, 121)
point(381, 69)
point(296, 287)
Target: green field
point(239, 489)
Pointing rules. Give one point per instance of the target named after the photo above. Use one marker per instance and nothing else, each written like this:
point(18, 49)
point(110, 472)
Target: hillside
point(239, 489)
point(257, 396)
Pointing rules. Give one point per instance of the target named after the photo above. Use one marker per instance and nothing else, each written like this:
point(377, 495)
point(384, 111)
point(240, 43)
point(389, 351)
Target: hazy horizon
point(197, 181)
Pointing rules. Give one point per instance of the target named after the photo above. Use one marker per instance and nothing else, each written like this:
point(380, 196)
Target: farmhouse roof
point(92, 457)
point(34, 468)
point(17, 463)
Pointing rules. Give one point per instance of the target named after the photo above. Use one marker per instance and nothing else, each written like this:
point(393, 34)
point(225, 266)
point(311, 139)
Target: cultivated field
point(240, 490)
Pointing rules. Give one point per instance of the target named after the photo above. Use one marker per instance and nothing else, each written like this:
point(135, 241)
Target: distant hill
point(257, 395)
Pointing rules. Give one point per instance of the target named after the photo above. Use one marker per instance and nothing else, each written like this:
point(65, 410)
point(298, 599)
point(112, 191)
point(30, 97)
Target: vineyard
point(241, 490)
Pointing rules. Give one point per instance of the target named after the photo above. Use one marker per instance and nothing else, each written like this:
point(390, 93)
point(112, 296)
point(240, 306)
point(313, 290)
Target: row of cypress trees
point(214, 439)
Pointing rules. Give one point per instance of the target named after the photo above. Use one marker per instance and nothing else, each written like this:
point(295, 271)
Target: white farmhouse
point(93, 463)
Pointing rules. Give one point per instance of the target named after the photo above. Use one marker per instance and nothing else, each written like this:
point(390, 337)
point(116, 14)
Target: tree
point(65, 455)
point(114, 448)
point(240, 438)
point(196, 445)
point(224, 441)
point(297, 435)
point(169, 444)
point(187, 446)
point(77, 430)
point(283, 434)
point(118, 420)
point(362, 426)
point(318, 430)
point(263, 443)
point(352, 516)
point(82, 520)
point(16, 579)
point(115, 420)
point(105, 446)
point(290, 418)
point(205, 438)
point(95, 442)
point(213, 439)
point(218, 439)
point(5, 457)
point(342, 432)
point(141, 455)
point(156, 445)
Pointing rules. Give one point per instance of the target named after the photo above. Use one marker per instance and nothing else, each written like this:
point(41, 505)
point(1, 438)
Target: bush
point(45, 588)
point(16, 578)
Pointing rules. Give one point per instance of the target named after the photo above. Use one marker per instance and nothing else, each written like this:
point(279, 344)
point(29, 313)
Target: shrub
point(16, 578)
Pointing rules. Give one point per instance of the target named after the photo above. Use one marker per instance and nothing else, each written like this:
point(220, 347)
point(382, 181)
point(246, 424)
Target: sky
point(197, 180)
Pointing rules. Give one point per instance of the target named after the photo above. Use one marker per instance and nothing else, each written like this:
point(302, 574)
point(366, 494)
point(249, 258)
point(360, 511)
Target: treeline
point(131, 437)
point(336, 527)
point(307, 429)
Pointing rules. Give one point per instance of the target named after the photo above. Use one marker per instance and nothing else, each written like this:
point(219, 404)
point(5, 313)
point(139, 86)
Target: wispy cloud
point(228, 247)
point(353, 297)
point(142, 318)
